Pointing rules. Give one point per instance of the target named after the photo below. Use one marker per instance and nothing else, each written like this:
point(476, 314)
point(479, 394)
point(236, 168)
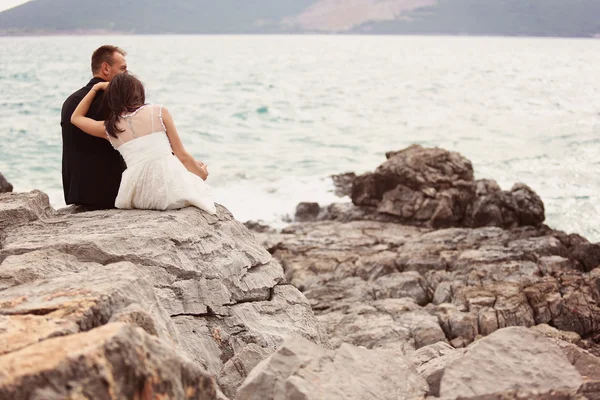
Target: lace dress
point(155, 179)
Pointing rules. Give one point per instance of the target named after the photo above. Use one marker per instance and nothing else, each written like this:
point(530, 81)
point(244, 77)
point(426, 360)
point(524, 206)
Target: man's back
point(91, 168)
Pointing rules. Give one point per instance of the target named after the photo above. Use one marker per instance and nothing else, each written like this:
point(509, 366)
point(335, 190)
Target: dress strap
point(160, 117)
point(152, 118)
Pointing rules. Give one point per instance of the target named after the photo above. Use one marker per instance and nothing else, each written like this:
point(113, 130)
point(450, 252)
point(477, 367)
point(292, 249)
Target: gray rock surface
point(299, 369)
point(237, 368)
point(570, 343)
point(21, 208)
point(199, 283)
point(514, 358)
point(561, 394)
point(459, 282)
point(114, 361)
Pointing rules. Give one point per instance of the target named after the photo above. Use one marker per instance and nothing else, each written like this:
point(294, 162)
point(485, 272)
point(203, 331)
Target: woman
point(160, 174)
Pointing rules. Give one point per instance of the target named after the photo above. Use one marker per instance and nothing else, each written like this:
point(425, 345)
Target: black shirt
point(91, 168)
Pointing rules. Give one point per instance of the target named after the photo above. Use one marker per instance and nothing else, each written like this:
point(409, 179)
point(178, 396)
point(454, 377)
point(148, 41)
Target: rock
point(300, 369)
point(5, 186)
point(384, 273)
point(530, 207)
point(587, 254)
point(423, 273)
point(199, 283)
point(40, 309)
point(237, 368)
point(343, 183)
point(307, 212)
point(346, 212)
point(135, 315)
point(115, 361)
point(18, 208)
point(258, 226)
point(417, 184)
point(560, 394)
point(557, 335)
point(389, 323)
point(509, 359)
point(492, 206)
point(398, 287)
point(436, 188)
point(586, 364)
point(431, 361)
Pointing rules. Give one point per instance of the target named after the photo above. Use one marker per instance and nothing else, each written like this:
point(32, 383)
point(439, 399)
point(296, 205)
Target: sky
point(6, 4)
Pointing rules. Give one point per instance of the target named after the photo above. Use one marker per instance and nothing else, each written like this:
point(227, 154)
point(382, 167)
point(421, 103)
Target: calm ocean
point(274, 116)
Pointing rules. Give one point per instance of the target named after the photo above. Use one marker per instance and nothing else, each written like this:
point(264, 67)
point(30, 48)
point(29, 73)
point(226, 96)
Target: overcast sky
point(6, 4)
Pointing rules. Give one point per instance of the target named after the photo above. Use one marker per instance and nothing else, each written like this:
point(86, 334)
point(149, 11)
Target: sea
point(275, 116)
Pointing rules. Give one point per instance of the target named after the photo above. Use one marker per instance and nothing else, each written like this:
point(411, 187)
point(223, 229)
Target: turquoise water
point(274, 116)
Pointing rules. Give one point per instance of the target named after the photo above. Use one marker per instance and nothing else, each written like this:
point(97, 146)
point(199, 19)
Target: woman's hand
point(100, 86)
point(203, 169)
point(79, 119)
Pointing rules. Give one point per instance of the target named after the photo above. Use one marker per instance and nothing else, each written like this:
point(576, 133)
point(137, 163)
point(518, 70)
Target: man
point(91, 168)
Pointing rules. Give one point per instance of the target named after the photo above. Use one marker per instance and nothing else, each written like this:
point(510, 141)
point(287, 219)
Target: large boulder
point(435, 187)
point(201, 284)
point(300, 369)
point(112, 362)
point(21, 208)
point(514, 358)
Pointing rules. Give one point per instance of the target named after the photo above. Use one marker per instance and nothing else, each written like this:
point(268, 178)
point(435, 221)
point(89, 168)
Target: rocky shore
point(430, 284)
point(115, 304)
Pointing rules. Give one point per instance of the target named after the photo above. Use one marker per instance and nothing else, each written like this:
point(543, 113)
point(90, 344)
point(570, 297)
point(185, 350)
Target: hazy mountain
point(481, 17)
point(153, 16)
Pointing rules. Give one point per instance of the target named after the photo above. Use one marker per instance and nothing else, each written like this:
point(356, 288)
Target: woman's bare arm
point(88, 125)
point(195, 167)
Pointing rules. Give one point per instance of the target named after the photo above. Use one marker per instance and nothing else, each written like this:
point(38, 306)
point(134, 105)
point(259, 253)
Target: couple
point(108, 121)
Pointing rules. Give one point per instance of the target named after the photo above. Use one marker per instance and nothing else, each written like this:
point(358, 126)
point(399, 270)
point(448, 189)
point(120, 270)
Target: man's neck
point(98, 77)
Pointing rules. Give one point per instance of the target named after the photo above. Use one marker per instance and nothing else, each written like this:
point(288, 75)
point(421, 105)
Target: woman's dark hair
point(125, 93)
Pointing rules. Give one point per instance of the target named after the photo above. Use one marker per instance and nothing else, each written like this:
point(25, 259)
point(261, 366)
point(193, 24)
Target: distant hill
point(576, 18)
point(152, 16)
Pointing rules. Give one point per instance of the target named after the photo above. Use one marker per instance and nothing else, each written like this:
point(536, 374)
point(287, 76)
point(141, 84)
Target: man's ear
point(105, 68)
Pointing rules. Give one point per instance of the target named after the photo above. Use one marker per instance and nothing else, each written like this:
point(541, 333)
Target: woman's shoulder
point(156, 106)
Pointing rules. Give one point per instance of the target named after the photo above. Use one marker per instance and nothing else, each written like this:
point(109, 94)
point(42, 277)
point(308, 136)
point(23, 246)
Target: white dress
point(155, 179)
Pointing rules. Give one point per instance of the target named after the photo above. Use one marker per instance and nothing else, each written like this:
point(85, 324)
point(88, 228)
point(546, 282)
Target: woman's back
point(144, 137)
point(155, 178)
point(144, 121)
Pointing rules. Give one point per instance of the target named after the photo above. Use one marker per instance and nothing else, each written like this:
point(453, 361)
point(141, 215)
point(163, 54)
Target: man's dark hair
point(105, 54)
